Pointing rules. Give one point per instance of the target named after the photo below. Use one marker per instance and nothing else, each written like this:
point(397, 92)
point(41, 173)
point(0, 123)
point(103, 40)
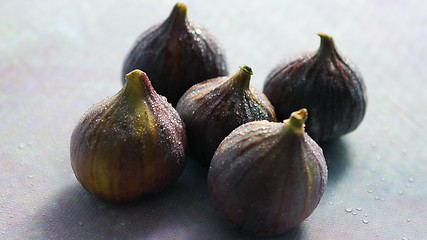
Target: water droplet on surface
point(377, 197)
point(355, 213)
point(365, 215)
point(349, 210)
point(408, 220)
point(331, 203)
point(80, 223)
point(411, 180)
point(370, 191)
point(359, 209)
point(21, 145)
point(405, 238)
point(365, 221)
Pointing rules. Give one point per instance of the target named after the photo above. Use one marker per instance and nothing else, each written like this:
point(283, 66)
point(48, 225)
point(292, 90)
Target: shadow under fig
point(183, 211)
point(337, 158)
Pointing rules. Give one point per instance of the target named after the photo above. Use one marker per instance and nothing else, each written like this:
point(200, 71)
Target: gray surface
point(57, 58)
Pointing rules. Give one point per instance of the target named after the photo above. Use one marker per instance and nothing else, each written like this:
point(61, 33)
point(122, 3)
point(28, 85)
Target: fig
point(129, 145)
point(267, 177)
point(176, 54)
point(215, 107)
point(324, 82)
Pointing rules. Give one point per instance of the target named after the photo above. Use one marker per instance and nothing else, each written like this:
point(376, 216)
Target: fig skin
point(328, 85)
point(176, 55)
point(214, 108)
point(267, 177)
point(130, 145)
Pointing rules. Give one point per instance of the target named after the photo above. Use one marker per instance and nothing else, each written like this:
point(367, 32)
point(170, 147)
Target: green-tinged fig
point(267, 177)
point(129, 145)
point(176, 54)
point(214, 108)
point(324, 82)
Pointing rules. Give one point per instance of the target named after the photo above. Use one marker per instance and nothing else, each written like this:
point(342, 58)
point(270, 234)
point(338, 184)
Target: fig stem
point(241, 79)
point(297, 119)
point(179, 13)
point(138, 84)
point(327, 45)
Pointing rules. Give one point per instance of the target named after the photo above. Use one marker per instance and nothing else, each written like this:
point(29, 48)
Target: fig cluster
point(266, 171)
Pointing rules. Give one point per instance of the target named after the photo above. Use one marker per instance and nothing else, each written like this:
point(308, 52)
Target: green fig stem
point(296, 120)
point(327, 46)
point(241, 79)
point(138, 84)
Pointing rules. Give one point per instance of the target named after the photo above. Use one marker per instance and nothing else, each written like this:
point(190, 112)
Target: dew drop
point(377, 197)
point(349, 210)
point(354, 213)
point(331, 203)
point(365, 221)
point(21, 145)
point(411, 180)
point(359, 209)
point(198, 31)
point(365, 215)
point(408, 220)
point(80, 223)
point(370, 191)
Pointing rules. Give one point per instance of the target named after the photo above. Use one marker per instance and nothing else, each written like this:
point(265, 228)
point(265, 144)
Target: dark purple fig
point(129, 145)
point(267, 177)
point(176, 55)
point(324, 82)
point(214, 108)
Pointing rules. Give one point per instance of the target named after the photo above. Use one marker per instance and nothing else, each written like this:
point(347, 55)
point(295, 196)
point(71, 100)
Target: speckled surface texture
point(58, 58)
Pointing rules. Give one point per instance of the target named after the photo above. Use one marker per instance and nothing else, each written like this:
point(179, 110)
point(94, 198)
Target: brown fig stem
point(327, 46)
point(241, 79)
point(179, 13)
point(296, 120)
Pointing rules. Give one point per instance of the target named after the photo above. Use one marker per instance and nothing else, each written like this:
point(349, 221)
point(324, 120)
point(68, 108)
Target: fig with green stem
point(130, 145)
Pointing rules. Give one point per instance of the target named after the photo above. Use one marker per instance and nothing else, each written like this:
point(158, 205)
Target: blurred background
point(58, 58)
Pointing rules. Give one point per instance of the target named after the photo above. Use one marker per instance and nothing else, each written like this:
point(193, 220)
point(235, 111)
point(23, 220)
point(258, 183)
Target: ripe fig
point(214, 108)
point(129, 145)
point(324, 82)
point(176, 55)
point(267, 177)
